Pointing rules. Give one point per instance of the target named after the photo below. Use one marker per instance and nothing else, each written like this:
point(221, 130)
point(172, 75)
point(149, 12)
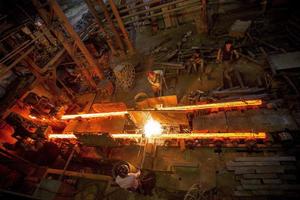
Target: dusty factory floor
point(178, 169)
point(228, 152)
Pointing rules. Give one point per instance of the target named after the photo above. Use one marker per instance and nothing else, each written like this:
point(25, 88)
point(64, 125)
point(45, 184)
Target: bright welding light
point(32, 117)
point(152, 128)
point(61, 136)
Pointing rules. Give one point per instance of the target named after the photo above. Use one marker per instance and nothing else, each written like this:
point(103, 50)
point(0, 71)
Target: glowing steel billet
point(94, 115)
point(62, 136)
point(240, 135)
point(232, 104)
point(256, 102)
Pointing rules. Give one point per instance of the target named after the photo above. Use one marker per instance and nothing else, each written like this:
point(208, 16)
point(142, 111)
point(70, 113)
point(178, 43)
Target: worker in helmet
point(155, 79)
point(128, 180)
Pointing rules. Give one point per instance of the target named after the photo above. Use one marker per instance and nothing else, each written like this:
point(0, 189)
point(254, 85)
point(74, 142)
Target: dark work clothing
point(227, 55)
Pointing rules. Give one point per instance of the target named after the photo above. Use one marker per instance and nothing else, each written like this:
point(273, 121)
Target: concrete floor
point(178, 170)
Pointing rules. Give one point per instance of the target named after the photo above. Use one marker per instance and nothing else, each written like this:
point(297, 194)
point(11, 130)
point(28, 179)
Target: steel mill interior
point(149, 99)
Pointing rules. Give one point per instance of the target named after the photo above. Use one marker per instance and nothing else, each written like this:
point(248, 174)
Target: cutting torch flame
point(152, 128)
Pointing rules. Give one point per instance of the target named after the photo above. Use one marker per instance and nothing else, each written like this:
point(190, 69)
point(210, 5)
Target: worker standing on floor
point(226, 56)
point(196, 64)
point(155, 79)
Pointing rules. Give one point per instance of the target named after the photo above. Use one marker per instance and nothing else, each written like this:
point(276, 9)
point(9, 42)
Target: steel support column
point(121, 25)
point(111, 24)
point(66, 44)
point(62, 17)
point(47, 83)
point(204, 15)
point(106, 35)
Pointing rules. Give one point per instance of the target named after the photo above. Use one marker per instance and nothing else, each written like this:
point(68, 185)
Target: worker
point(196, 64)
point(155, 79)
point(127, 180)
point(226, 56)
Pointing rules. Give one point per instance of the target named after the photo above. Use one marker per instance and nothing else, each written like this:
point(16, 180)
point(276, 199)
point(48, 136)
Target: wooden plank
point(242, 193)
point(270, 169)
point(272, 181)
point(262, 159)
point(267, 193)
point(272, 187)
point(264, 163)
point(289, 167)
point(170, 65)
point(288, 177)
point(263, 176)
point(244, 171)
point(259, 169)
point(251, 181)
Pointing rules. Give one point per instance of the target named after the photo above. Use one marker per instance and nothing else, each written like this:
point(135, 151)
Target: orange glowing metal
point(94, 115)
point(240, 135)
point(256, 102)
point(32, 117)
point(61, 136)
point(232, 104)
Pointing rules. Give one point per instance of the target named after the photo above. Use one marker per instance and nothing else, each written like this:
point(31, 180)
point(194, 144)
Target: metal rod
point(164, 136)
point(195, 8)
point(20, 48)
point(231, 104)
point(16, 61)
point(67, 163)
point(139, 6)
point(155, 8)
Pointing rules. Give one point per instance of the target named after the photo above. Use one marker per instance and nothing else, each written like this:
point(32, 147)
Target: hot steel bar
point(232, 104)
point(94, 115)
point(232, 135)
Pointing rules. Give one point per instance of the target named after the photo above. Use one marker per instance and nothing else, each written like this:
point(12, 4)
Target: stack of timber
point(265, 177)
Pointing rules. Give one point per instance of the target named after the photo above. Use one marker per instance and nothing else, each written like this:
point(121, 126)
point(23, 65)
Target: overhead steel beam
point(204, 15)
point(62, 17)
point(92, 9)
point(121, 26)
point(66, 44)
point(111, 24)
